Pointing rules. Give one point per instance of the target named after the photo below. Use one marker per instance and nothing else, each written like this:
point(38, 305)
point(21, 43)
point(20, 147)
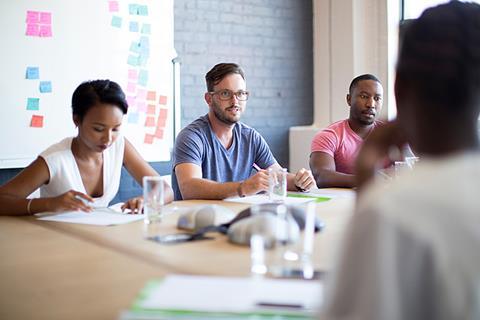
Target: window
point(412, 9)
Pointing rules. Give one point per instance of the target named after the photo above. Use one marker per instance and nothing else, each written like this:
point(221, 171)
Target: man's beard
point(222, 114)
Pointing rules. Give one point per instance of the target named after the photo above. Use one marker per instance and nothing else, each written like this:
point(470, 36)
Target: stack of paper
point(202, 297)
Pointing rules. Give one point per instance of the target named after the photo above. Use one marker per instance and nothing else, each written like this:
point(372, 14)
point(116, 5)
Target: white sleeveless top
point(65, 175)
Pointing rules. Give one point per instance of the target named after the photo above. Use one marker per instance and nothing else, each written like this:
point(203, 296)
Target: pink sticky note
point(141, 94)
point(159, 133)
point(142, 106)
point(161, 122)
point(151, 95)
point(36, 122)
point(45, 18)
point(162, 100)
point(45, 31)
point(131, 87)
point(32, 17)
point(130, 101)
point(132, 74)
point(151, 109)
point(32, 30)
point(163, 113)
point(113, 6)
point(150, 122)
point(148, 138)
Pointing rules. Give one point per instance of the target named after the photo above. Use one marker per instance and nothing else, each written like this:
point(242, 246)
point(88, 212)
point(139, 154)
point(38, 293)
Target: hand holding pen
point(256, 183)
point(70, 201)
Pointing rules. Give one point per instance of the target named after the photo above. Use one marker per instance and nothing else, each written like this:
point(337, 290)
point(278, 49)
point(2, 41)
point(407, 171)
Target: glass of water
point(277, 184)
point(153, 201)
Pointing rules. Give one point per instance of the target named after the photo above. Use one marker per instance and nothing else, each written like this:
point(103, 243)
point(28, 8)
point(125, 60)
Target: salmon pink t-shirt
point(341, 142)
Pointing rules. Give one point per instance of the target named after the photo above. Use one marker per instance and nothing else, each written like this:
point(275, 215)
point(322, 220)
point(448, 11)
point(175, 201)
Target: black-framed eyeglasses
point(226, 94)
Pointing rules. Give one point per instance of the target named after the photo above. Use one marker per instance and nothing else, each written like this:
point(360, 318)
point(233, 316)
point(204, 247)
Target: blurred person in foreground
point(412, 250)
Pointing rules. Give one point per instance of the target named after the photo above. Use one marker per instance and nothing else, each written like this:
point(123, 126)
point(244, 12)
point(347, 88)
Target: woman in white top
point(85, 168)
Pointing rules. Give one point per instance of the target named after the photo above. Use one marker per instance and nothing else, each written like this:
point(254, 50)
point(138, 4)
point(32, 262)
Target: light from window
point(412, 9)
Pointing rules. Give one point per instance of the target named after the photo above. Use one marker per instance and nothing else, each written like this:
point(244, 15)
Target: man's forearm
point(334, 179)
point(197, 188)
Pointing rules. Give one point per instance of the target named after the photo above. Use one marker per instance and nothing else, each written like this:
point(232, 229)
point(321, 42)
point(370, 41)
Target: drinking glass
point(277, 184)
point(273, 235)
point(153, 195)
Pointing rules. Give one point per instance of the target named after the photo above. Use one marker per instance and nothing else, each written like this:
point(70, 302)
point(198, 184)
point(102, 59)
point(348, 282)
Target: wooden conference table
point(54, 270)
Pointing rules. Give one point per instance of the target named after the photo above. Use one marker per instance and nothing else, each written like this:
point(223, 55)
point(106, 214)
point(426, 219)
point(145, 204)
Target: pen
point(85, 201)
point(279, 305)
point(256, 167)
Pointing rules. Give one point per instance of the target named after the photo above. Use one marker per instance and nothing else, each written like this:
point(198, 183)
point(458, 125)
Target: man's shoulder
point(245, 129)
point(198, 127)
point(333, 129)
point(338, 124)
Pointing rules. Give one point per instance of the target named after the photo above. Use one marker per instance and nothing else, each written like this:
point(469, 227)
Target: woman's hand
point(70, 201)
point(134, 204)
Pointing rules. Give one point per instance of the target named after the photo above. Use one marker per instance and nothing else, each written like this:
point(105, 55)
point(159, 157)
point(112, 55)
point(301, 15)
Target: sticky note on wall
point(36, 121)
point(113, 6)
point(33, 103)
point(32, 73)
point(45, 86)
point(162, 100)
point(116, 22)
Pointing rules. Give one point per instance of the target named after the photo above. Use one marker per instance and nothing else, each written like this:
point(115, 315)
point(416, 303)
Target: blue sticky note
point(116, 22)
point(33, 104)
point(143, 77)
point(144, 42)
point(45, 86)
point(133, 117)
point(142, 10)
point(143, 59)
point(33, 73)
point(133, 26)
point(132, 60)
point(133, 9)
point(146, 28)
point(135, 47)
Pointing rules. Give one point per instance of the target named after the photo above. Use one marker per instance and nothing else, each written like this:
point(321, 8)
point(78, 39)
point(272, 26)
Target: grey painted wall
point(270, 39)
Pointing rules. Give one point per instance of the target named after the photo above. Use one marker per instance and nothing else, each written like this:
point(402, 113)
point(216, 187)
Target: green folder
point(317, 199)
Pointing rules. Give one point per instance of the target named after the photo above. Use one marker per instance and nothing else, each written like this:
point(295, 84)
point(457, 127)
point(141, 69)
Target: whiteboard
point(68, 42)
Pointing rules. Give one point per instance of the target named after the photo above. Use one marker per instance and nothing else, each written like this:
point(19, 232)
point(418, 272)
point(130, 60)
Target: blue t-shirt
point(198, 144)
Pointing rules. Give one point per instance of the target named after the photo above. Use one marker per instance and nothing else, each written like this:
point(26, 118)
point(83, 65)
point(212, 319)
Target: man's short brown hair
point(220, 71)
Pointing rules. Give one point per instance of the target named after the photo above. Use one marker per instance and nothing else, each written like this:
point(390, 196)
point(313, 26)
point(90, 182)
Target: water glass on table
point(153, 199)
point(277, 184)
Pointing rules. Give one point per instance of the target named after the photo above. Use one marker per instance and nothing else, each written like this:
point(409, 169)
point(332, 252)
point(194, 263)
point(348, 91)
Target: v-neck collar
point(78, 176)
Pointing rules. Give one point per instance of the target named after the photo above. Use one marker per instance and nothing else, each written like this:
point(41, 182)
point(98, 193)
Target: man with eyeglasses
point(215, 154)
point(335, 148)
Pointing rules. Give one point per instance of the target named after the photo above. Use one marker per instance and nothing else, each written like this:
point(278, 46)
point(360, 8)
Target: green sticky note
point(146, 28)
point(132, 60)
point(299, 195)
point(33, 104)
point(116, 22)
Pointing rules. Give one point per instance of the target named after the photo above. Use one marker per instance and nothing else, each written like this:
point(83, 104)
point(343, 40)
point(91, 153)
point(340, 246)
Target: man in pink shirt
point(334, 149)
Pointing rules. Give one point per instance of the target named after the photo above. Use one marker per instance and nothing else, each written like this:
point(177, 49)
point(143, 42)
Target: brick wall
point(270, 39)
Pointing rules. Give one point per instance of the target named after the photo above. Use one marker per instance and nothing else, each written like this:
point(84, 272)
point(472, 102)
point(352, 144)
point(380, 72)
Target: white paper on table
point(99, 216)
point(262, 198)
point(245, 295)
point(332, 193)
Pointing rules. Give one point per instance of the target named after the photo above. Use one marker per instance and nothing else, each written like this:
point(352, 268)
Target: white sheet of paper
point(332, 193)
point(100, 216)
point(238, 295)
point(263, 198)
